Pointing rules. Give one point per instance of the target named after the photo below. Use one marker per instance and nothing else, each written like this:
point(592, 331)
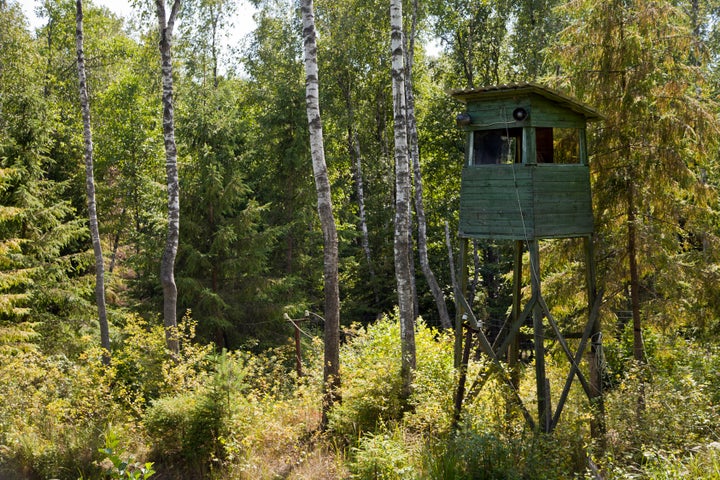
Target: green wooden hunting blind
point(526, 173)
point(525, 178)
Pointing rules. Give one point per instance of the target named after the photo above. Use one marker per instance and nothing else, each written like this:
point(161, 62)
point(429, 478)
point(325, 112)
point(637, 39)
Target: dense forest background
point(232, 403)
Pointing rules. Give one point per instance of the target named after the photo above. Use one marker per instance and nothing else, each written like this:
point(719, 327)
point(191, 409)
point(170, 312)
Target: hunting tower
point(526, 178)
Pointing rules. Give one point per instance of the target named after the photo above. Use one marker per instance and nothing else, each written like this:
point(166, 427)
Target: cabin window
point(492, 147)
point(557, 145)
point(544, 145)
point(566, 145)
point(504, 146)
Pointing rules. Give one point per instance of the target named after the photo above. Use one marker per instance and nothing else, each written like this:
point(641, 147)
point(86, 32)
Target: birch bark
point(435, 289)
point(402, 246)
point(167, 267)
point(331, 369)
point(90, 187)
point(356, 155)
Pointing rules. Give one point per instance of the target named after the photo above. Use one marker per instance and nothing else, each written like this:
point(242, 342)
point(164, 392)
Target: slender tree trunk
point(413, 273)
point(331, 369)
point(451, 260)
point(402, 245)
point(356, 154)
point(90, 187)
point(638, 344)
point(214, 19)
point(116, 242)
point(167, 267)
point(435, 289)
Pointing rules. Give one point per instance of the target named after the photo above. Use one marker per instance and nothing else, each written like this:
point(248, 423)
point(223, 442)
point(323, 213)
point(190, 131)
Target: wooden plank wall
point(525, 202)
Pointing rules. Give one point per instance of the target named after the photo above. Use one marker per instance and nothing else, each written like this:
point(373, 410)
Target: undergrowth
point(241, 415)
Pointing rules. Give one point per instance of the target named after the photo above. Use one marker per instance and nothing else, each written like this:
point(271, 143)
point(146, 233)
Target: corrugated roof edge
point(527, 88)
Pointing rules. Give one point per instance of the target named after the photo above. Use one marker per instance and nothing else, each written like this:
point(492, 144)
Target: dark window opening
point(544, 145)
point(491, 147)
point(504, 146)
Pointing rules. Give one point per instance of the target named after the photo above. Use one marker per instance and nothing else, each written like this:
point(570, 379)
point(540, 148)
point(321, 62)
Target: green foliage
point(702, 465)
point(144, 370)
point(123, 468)
point(250, 243)
point(43, 256)
point(189, 430)
point(129, 177)
point(382, 456)
point(54, 412)
point(656, 144)
point(371, 389)
point(487, 456)
point(222, 269)
point(679, 390)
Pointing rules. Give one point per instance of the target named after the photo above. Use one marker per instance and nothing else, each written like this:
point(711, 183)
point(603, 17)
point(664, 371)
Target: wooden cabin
point(526, 173)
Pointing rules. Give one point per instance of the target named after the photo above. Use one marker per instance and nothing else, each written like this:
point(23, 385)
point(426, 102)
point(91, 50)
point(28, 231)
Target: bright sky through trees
point(243, 21)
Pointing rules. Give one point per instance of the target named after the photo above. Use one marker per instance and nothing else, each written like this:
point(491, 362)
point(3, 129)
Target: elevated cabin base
point(503, 352)
point(525, 202)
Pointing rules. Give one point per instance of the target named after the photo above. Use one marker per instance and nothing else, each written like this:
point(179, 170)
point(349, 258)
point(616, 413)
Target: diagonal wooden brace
point(578, 356)
point(488, 350)
point(564, 345)
point(515, 327)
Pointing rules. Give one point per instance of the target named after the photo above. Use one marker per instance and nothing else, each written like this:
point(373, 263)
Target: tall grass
point(243, 415)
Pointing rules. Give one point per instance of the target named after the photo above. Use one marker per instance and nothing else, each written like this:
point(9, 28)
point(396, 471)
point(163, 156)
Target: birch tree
point(331, 370)
point(167, 268)
point(402, 245)
point(90, 187)
point(414, 151)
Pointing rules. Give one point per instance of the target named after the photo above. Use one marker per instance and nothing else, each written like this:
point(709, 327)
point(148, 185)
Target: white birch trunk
point(167, 267)
point(365, 240)
point(435, 289)
point(90, 188)
point(355, 152)
point(402, 244)
point(331, 369)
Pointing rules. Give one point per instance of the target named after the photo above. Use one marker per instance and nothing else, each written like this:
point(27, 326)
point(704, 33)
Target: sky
point(119, 7)
point(243, 21)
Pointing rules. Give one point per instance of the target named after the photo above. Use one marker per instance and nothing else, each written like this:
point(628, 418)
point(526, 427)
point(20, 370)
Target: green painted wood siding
point(497, 113)
point(525, 202)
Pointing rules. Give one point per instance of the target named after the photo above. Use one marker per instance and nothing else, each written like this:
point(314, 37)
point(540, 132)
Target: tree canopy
point(202, 150)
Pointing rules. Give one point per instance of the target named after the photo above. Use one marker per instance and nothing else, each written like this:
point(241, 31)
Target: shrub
point(701, 465)
point(54, 412)
point(371, 384)
point(119, 466)
point(382, 456)
point(185, 429)
point(470, 454)
point(144, 369)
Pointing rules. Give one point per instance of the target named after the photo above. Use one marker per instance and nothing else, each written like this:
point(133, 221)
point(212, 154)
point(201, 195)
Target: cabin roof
point(512, 91)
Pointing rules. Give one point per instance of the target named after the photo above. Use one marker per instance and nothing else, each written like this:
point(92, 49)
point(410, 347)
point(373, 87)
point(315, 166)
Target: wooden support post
point(298, 345)
point(598, 428)
point(488, 350)
point(543, 389)
point(574, 364)
point(462, 355)
point(460, 312)
point(529, 149)
point(462, 378)
point(298, 351)
point(582, 140)
point(514, 347)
